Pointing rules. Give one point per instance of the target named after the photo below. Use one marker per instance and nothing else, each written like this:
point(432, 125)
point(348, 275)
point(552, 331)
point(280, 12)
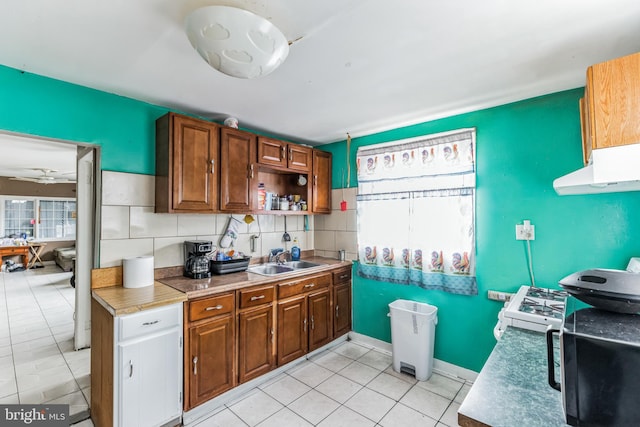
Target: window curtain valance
point(416, 212)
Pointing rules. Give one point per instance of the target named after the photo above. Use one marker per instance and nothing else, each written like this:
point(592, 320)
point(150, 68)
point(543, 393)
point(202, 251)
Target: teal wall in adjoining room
point(40, 106)
point(520, 148)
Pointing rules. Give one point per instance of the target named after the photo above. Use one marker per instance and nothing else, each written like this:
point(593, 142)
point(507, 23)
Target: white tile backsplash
point(145, 223)
point(169, 251)
point(112, 251)
point(325, 240)
point(128, 189)
point(346, 240)
point(131, 228)
point(191, 225)
point(115, 222)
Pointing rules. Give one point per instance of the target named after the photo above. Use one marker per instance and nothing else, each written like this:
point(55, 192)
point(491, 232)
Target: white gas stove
point(532, 308)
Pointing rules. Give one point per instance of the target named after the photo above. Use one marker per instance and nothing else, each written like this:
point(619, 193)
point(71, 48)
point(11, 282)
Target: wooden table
point(22, 251)
point(36, 249)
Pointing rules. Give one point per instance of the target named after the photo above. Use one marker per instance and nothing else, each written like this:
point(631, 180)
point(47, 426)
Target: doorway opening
point(47, 327)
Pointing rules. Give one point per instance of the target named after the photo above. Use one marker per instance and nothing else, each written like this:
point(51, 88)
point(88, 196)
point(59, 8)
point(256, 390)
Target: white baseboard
point(439, 366)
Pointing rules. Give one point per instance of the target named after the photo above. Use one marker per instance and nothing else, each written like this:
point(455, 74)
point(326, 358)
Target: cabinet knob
point(217, 307)
point(255, 298)
point(304, 325)
point(195, 365)
point(251, 171)
point(282, 155)
point(130, 368)
point(290, 155)
point(313, 325)
point(150, 323)
point(213, 163)
point(337, 311)
point(310, 285)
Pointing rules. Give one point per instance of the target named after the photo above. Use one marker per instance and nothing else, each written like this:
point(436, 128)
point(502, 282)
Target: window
point(19, 217)
point(42, 219)
point(57, 219)
point(416, 212)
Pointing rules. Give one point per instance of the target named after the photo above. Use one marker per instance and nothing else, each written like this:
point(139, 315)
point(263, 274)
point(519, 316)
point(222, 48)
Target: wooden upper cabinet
point(238, 174)
point(283, 155)
point(321, 196)
point(187, 151)
point(611, 108)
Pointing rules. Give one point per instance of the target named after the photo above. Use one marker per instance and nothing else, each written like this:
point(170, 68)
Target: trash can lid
point(413, 307)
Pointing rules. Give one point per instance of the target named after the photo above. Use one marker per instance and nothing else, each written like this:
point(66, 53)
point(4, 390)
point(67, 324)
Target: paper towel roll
point(634, 265)
point(137, 272)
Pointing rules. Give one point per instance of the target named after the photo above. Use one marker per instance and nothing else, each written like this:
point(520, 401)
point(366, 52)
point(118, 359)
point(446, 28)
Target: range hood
point(613, 169)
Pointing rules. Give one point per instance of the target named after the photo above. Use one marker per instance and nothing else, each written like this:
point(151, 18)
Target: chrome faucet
point(279, 256)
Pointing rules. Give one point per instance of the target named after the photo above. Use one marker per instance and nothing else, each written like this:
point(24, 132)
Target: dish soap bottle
point(295, 250)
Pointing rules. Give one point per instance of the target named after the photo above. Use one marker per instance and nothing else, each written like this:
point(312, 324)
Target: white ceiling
point(357, 66)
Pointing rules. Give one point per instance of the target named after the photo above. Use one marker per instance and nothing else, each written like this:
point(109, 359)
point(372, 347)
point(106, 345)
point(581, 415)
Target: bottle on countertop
point(262, 196)
point(295, 250)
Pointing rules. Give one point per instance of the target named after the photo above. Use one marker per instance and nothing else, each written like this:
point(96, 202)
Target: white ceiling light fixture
point(236, 42)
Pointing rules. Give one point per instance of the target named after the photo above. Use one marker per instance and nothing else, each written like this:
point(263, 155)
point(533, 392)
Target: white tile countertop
point(512, 388)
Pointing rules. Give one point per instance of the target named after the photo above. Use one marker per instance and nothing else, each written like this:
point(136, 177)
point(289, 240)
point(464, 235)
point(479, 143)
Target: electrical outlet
point(499, 296)
point(525, 231)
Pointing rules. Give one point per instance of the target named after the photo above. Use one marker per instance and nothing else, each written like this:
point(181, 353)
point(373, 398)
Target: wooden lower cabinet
point(342, 309)
point(237, 336)
point(210, 362)
point(255, 343)
point(304, 324)
point(292, 329)
point(320, 326)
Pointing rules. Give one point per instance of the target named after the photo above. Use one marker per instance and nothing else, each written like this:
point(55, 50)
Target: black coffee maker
point(196, 261)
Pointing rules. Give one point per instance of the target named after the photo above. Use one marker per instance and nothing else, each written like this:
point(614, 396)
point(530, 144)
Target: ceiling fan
point(45, 178)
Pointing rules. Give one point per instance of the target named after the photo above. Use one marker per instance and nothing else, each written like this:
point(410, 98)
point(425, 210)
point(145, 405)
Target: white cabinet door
point(150, 379)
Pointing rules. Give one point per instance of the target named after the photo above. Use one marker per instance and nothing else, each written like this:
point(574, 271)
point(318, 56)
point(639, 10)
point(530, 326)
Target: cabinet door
point(612, 96)
point(255, 343)
point(342, 310)
point(238, 176)
point(321, 202)
point(150, 380)
point(272, 152)
point(292, 329)
point(211, 355)
point(320, 319)
point(300, 158)
point(187, 152)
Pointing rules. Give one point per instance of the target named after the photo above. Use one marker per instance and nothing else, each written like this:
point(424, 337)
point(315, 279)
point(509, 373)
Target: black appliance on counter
point(196, 261)
point(599, 349)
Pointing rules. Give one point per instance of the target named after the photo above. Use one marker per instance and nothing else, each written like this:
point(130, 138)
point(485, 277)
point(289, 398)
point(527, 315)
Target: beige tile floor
point(349, 385)
point(37, 361)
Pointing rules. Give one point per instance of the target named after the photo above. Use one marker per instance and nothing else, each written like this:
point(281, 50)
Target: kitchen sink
point(301, 264)
point(269, 269)
point(273, 269)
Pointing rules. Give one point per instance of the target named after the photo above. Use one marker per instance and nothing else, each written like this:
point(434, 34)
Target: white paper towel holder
point(137, 272)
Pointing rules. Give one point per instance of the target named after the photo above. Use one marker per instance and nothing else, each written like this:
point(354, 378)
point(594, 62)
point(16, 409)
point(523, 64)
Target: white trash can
point(413, 327)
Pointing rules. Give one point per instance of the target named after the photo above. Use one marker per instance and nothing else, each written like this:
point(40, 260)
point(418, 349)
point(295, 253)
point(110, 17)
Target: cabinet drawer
point(308, 284)
point(341, 276)
point(256, 296)
point(210, 307)
point(149, 321)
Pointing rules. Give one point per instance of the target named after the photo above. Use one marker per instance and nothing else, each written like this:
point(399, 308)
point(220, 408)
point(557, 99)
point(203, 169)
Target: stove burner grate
point(529, 305)
point(548, 294)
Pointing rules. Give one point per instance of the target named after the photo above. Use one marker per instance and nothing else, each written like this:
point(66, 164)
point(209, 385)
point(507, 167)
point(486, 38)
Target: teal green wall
point(123, 127)
point(521, 148)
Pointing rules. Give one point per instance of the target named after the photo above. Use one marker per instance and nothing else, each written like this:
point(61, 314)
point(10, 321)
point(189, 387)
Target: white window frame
point(36, 201)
